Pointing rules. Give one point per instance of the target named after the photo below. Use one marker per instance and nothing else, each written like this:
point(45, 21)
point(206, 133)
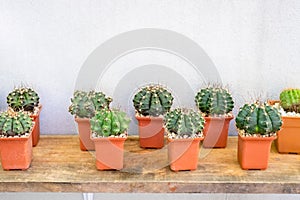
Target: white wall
point(254, 45)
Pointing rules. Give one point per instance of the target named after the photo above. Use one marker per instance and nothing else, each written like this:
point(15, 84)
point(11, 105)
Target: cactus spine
point(15, 123)
point(23, 98)
point(257, 118)
point(109, 123)
point(184, 123)
point(290, 100)
point(214, 101)
point(85, 104)
point(153, 100)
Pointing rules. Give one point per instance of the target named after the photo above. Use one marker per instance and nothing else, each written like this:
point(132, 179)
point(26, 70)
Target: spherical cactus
point(214, 101)
point(257, 118)
point(15, 123)
point(184, 123)
point(85, 104)
point(153, 100)
point(290, 100)
point(23, 98)
point(107, 123)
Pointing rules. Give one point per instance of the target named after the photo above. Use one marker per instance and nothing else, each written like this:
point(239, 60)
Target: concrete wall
point(254, 46)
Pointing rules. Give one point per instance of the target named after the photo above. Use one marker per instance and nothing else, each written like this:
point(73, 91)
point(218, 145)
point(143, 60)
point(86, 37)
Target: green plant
point(290, 100)
point(85, 104)
point(153, 100)
point(184, 123)
point(259, 119)
point(107, 123)
point(214, 101)
point(23, 98)
point(14, 123)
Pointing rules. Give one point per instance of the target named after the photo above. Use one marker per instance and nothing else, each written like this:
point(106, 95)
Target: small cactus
point(85, 104)
point(23, 98)
point(107, 123)
point(258, 119)
point(153, 100)
point(184, 123)
point(290, 100)
point(15, 123)
point(214, 101)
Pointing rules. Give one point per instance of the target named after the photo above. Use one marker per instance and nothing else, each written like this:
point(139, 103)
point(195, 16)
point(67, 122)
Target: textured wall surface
point(254, 46)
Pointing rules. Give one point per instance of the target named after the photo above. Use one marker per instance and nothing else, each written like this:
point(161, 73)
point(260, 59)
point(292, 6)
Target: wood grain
point(60, 166)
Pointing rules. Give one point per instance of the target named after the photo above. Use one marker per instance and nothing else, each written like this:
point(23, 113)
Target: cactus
point(85, 104)
point(153, 100)
point(258, 118)
point(184, 123)
point(107, 123)
point(214, 101)
point(15, 123)
point(23, 98)
point(290, 100)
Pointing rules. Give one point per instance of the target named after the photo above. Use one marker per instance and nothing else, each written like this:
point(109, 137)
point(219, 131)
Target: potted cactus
point(289, 135)
point(151, 103)
point(26, 99)
point(15, 140)
point(184, 127)
point(109, 132)
point(257, 125)
point(83, 107)
point(216, 104)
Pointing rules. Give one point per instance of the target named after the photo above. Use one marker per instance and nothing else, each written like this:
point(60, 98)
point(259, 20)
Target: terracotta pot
point(216, 131)
point(84, 129)
point(253, 152)
point(288, 136)
point(36, 129)
point(16, 153)
point(109, 153)
point(183, 153)
point(151, 132)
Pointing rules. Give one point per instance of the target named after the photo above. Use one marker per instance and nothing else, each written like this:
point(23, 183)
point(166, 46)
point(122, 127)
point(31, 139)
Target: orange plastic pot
point(36, 129)
point(109, 153)
point(216, 131)
point(151, 132)
point(16, 153)
point(84, 130)
point(183, 153)
point(288, 136)
point(254, 152)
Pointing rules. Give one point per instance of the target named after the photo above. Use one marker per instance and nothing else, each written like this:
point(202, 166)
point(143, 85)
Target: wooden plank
point(60, 166)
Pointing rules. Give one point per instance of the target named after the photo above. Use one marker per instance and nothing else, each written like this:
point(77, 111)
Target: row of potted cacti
point(19, 128)
point(257, 121)
point(105, 126)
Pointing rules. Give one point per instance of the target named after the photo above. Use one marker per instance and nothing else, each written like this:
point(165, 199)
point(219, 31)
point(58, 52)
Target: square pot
point(254, 152)
point(288, 137)
point(216, 131)
point(84, 130)
point(16, 152)
point(109, 153)
point(183, 153)
point(151, 132)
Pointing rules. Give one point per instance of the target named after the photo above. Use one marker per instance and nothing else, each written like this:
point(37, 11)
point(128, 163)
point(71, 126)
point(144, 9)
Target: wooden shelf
point(59, 166)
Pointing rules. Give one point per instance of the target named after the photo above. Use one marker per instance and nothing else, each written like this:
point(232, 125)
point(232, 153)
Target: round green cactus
point(184, 122)
point(258, 118)
point(85, 104)
point(15, 123)
point(107, 123)
point(214, 101)
point(153, 100)
point(23, 98)
point(290, 100)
